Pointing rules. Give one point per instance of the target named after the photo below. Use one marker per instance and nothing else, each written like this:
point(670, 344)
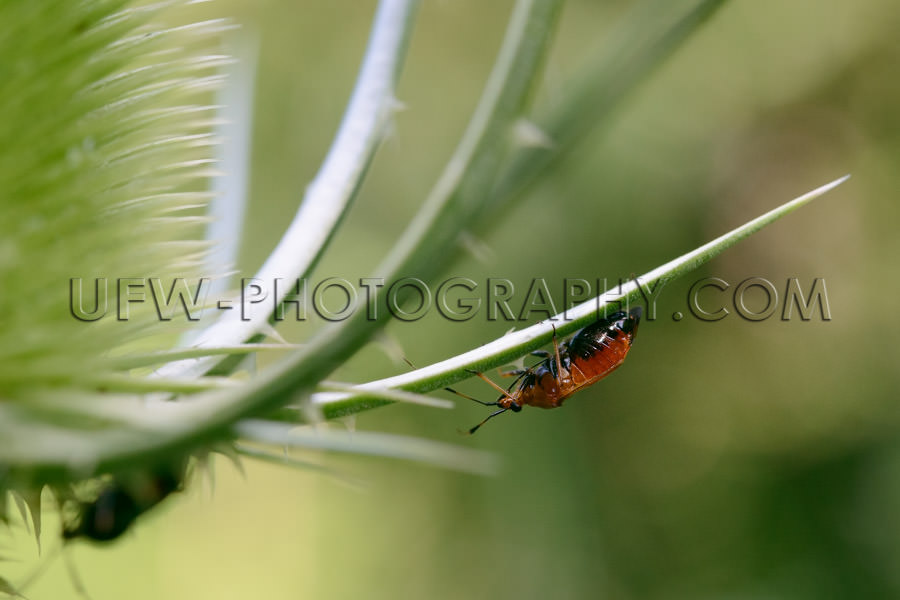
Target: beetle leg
point(492, 384)
point(562, 375)
point(513, 372)
point(556, 351)
point(467, 397)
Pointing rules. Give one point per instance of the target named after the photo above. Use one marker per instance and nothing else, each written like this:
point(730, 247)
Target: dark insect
point(589, 356)
point(121, 501)
point(115, 507)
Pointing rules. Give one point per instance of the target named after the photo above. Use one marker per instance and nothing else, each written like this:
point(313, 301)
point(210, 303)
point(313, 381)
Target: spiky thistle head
point(105, 118)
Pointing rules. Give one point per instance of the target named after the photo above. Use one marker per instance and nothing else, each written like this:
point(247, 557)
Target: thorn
point(350, 423)
point(528, 135)
point(477, 248)
point(391, 347)
point(270, 331)
point(396, 105)
point(311, 412)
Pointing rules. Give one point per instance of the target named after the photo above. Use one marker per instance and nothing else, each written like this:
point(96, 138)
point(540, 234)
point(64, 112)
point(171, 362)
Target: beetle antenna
point(489, 417)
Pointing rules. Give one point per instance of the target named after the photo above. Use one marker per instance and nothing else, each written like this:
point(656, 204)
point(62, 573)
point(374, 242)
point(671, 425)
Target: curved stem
point(328, 197)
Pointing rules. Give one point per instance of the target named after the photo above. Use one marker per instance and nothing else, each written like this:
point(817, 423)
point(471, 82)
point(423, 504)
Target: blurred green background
point(724, 460)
